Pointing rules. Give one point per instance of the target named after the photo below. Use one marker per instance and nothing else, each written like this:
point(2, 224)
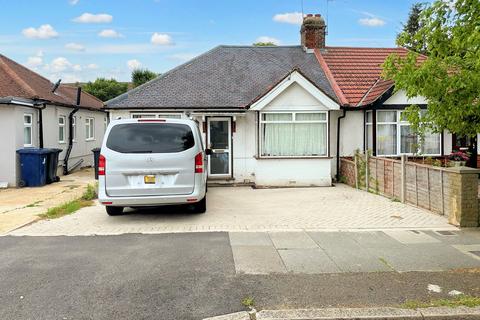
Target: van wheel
point(114, 211)
point(201, 206)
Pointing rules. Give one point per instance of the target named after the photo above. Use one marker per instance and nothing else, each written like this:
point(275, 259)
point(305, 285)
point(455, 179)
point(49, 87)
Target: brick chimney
point(313, 32)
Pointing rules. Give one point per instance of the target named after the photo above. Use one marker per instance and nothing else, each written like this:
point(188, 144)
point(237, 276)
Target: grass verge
point(460, 301)
point(85, 200)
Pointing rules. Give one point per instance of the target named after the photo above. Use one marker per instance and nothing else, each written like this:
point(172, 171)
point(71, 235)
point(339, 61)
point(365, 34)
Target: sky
point(80, 40)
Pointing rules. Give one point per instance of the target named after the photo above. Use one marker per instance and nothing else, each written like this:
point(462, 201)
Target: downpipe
point(70, 133)
point(337, 176)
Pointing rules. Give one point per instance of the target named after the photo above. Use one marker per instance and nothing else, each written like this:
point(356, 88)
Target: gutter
point(338, 143)
point(70, 132)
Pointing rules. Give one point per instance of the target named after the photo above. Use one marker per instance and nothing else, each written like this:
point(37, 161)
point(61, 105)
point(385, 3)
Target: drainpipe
point(70, 132)
point(338, 143)
point(40, 125)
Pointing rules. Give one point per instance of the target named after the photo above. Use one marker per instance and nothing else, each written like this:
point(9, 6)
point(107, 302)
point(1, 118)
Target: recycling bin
point(52, 165)
point(33, 167)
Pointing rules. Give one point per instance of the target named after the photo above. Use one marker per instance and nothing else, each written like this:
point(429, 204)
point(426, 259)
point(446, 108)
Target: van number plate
point(150, 179)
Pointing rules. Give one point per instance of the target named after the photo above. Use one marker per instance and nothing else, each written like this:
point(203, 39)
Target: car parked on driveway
point(152, 162)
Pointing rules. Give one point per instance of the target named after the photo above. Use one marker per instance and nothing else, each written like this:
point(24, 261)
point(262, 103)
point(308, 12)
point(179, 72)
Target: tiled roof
point(21, 82)
point(224, 77)
point(357, 72)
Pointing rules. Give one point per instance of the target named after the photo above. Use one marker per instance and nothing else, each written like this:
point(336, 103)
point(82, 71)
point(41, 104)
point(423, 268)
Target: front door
point(466, 144)
point(219, 141)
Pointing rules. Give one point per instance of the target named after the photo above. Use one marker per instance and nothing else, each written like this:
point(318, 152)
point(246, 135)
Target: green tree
point(264, 44)
point(450, 77)
point(411, 28)
point(140, 76)
point(105, 89)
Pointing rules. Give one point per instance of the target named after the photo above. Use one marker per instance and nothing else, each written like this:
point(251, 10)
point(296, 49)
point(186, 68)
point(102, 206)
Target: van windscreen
point(150, 138)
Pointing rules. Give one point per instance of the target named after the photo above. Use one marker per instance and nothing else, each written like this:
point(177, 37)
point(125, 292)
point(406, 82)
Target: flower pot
point(458, 163)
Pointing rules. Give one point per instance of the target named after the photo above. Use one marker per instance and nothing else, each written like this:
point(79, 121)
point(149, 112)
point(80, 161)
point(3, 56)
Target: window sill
point(292, 158)
point(89, 139)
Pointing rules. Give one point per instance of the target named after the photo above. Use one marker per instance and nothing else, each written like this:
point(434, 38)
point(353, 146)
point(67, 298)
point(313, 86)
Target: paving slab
point(411, 236)
point(309, 261)
point(347, 254)
point(250, 239)
point(292, 240)
point(373, 239)
point(456, 237)
point(257, 260)
point(472, 250)
point(424, 257)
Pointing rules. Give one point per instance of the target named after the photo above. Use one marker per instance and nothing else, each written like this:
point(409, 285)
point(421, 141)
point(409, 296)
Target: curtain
point(408, 140)
point(387, 139)
point(431, 144)
point(295, 138)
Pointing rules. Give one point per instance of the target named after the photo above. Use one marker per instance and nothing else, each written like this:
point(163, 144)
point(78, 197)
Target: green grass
point(460, 301)
point(85, 200)
point(248, 302)
point(35, 204)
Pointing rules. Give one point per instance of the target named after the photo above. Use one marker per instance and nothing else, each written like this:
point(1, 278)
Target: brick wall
point(446, 191)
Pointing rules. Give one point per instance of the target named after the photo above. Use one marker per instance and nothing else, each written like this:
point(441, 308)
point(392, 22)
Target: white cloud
point(289, 17)
point(34, 62)
point(45, 31)
point(73, 2)
point(74, 46)
point(109, 33)
point(133, 64)
point(94, 18)
point(92, 66)
point(371, 22)
point(266, 39)
point(58, 64)
point(161, 39)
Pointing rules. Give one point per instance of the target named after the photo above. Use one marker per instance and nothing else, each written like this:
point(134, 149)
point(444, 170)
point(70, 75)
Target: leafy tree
point(140, 76)
point(450, 77)
point(105, 89)
point(264, 44)
point(411, 28)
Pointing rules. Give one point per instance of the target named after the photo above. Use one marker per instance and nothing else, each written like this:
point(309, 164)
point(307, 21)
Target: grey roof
point(224, 77)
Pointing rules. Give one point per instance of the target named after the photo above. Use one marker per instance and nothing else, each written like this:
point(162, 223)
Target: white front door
point(219, 141)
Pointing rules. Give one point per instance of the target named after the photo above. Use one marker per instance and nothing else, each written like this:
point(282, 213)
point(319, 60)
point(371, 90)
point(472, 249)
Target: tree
point(411, 28)
point(105, 89)
point(264, 44)
point(140, 76)
point(450, 77)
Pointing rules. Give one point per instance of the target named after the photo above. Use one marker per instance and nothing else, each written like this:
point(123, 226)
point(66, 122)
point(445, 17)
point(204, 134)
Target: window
point(74, 128)
point(150, 138)
point(369, 130)
point(294, 134)
point(395, 135)
point(61, 129)
point(156, 115)
point(89, 128)
point(105, 124)
point(27, 129)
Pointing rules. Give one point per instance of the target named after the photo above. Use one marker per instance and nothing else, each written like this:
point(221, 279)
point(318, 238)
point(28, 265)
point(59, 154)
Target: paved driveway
point(247, 209)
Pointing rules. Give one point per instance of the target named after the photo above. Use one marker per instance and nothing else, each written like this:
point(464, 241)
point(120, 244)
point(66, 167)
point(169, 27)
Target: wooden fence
point(424, 186)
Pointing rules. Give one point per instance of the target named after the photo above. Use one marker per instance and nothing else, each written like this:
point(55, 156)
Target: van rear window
point(150, 138)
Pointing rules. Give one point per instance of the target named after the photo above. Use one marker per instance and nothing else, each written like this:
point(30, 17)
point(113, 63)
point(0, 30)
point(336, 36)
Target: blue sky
point(80, 40)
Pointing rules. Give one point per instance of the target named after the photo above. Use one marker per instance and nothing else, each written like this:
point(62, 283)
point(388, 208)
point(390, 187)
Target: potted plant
point(458, 158)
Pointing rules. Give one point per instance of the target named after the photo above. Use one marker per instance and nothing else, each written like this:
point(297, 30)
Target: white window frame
point(367, 123)
point(61, 126)
point(294, 115)
point(28, 125)
point(399, 123)
point(90, 123)
point(152, 115)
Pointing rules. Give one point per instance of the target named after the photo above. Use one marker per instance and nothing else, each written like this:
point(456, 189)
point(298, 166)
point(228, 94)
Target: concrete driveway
point(246, 209)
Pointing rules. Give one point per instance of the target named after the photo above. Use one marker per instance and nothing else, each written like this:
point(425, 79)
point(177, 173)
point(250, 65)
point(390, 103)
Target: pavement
point(199, 275)
point(246, 209)
point(21, 206)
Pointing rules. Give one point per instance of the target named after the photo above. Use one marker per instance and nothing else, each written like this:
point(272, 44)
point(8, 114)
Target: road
point(179, 276)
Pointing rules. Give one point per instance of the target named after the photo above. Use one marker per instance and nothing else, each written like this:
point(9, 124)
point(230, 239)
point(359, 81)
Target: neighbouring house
point(35, 113)
point(283, 115)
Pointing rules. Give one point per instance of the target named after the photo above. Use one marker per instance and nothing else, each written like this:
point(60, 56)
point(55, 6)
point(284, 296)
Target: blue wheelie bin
point(33, 167)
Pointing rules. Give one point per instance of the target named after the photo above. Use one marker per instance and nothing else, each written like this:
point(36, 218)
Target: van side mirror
point(208, 151)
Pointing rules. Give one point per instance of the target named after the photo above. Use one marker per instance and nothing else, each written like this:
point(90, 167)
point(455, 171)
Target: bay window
point(395, 135)
point(294, 134)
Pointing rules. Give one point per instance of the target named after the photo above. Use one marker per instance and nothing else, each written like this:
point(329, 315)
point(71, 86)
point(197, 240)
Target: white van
point(152, 162)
